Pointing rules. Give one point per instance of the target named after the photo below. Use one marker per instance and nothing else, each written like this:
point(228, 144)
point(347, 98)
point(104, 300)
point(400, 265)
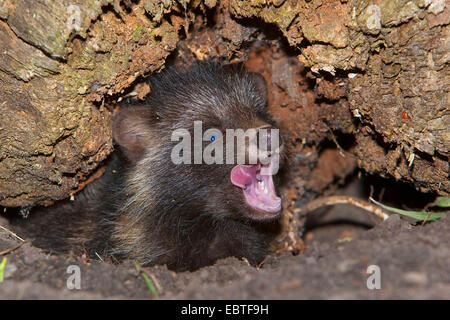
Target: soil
point(342, 242)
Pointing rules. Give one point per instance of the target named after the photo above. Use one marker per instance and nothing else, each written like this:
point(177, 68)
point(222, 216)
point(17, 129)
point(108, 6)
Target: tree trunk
point(370, 76)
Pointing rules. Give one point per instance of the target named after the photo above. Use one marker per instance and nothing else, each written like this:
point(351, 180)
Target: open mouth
point(258, 188)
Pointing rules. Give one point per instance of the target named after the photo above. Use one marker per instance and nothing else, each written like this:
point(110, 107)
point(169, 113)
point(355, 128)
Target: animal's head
point(203, 141)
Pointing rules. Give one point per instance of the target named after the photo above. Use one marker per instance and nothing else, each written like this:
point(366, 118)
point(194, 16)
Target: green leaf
point(418, 215)
point(443, 202)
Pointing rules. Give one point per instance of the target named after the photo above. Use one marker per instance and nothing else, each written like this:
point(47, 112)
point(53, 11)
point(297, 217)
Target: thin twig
point(328, 201)
point(341, 151)
point(2, 253)
point(426, 219)
point(155, 281)
point(12, 233)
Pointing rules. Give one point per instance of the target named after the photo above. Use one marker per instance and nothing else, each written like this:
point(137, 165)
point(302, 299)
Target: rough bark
point(58, 61)
point(376, 71)
point(392, 58)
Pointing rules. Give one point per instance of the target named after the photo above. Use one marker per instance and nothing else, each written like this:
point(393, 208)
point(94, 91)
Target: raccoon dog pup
point(147, 208)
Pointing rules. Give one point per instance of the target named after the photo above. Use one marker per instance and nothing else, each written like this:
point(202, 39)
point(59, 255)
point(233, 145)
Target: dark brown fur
point(148, 209)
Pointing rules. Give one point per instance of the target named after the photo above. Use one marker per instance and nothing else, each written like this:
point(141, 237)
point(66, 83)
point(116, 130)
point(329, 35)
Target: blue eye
point(213, 138)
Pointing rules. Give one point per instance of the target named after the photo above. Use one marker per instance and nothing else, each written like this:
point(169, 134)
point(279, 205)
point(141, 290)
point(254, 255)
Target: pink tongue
point(259, 190)
point(243, 176)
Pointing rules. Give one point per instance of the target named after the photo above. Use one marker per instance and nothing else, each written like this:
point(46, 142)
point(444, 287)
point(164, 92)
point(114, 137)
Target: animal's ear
point(131, 130)
point(260, 86)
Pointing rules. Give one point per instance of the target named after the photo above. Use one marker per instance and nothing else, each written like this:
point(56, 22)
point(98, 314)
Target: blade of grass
point(98, 256)
point(147, 280)
point(418, 215)
point(149, 284)
point(2, 268)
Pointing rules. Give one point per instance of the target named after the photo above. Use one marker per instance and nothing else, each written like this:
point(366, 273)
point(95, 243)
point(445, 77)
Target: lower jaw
point(261, 215)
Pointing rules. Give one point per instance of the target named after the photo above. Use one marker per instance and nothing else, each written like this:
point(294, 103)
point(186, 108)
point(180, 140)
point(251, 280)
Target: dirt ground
point(414, 262)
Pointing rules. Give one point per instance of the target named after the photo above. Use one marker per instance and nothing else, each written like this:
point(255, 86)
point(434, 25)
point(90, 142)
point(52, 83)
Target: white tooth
point(261, 185)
